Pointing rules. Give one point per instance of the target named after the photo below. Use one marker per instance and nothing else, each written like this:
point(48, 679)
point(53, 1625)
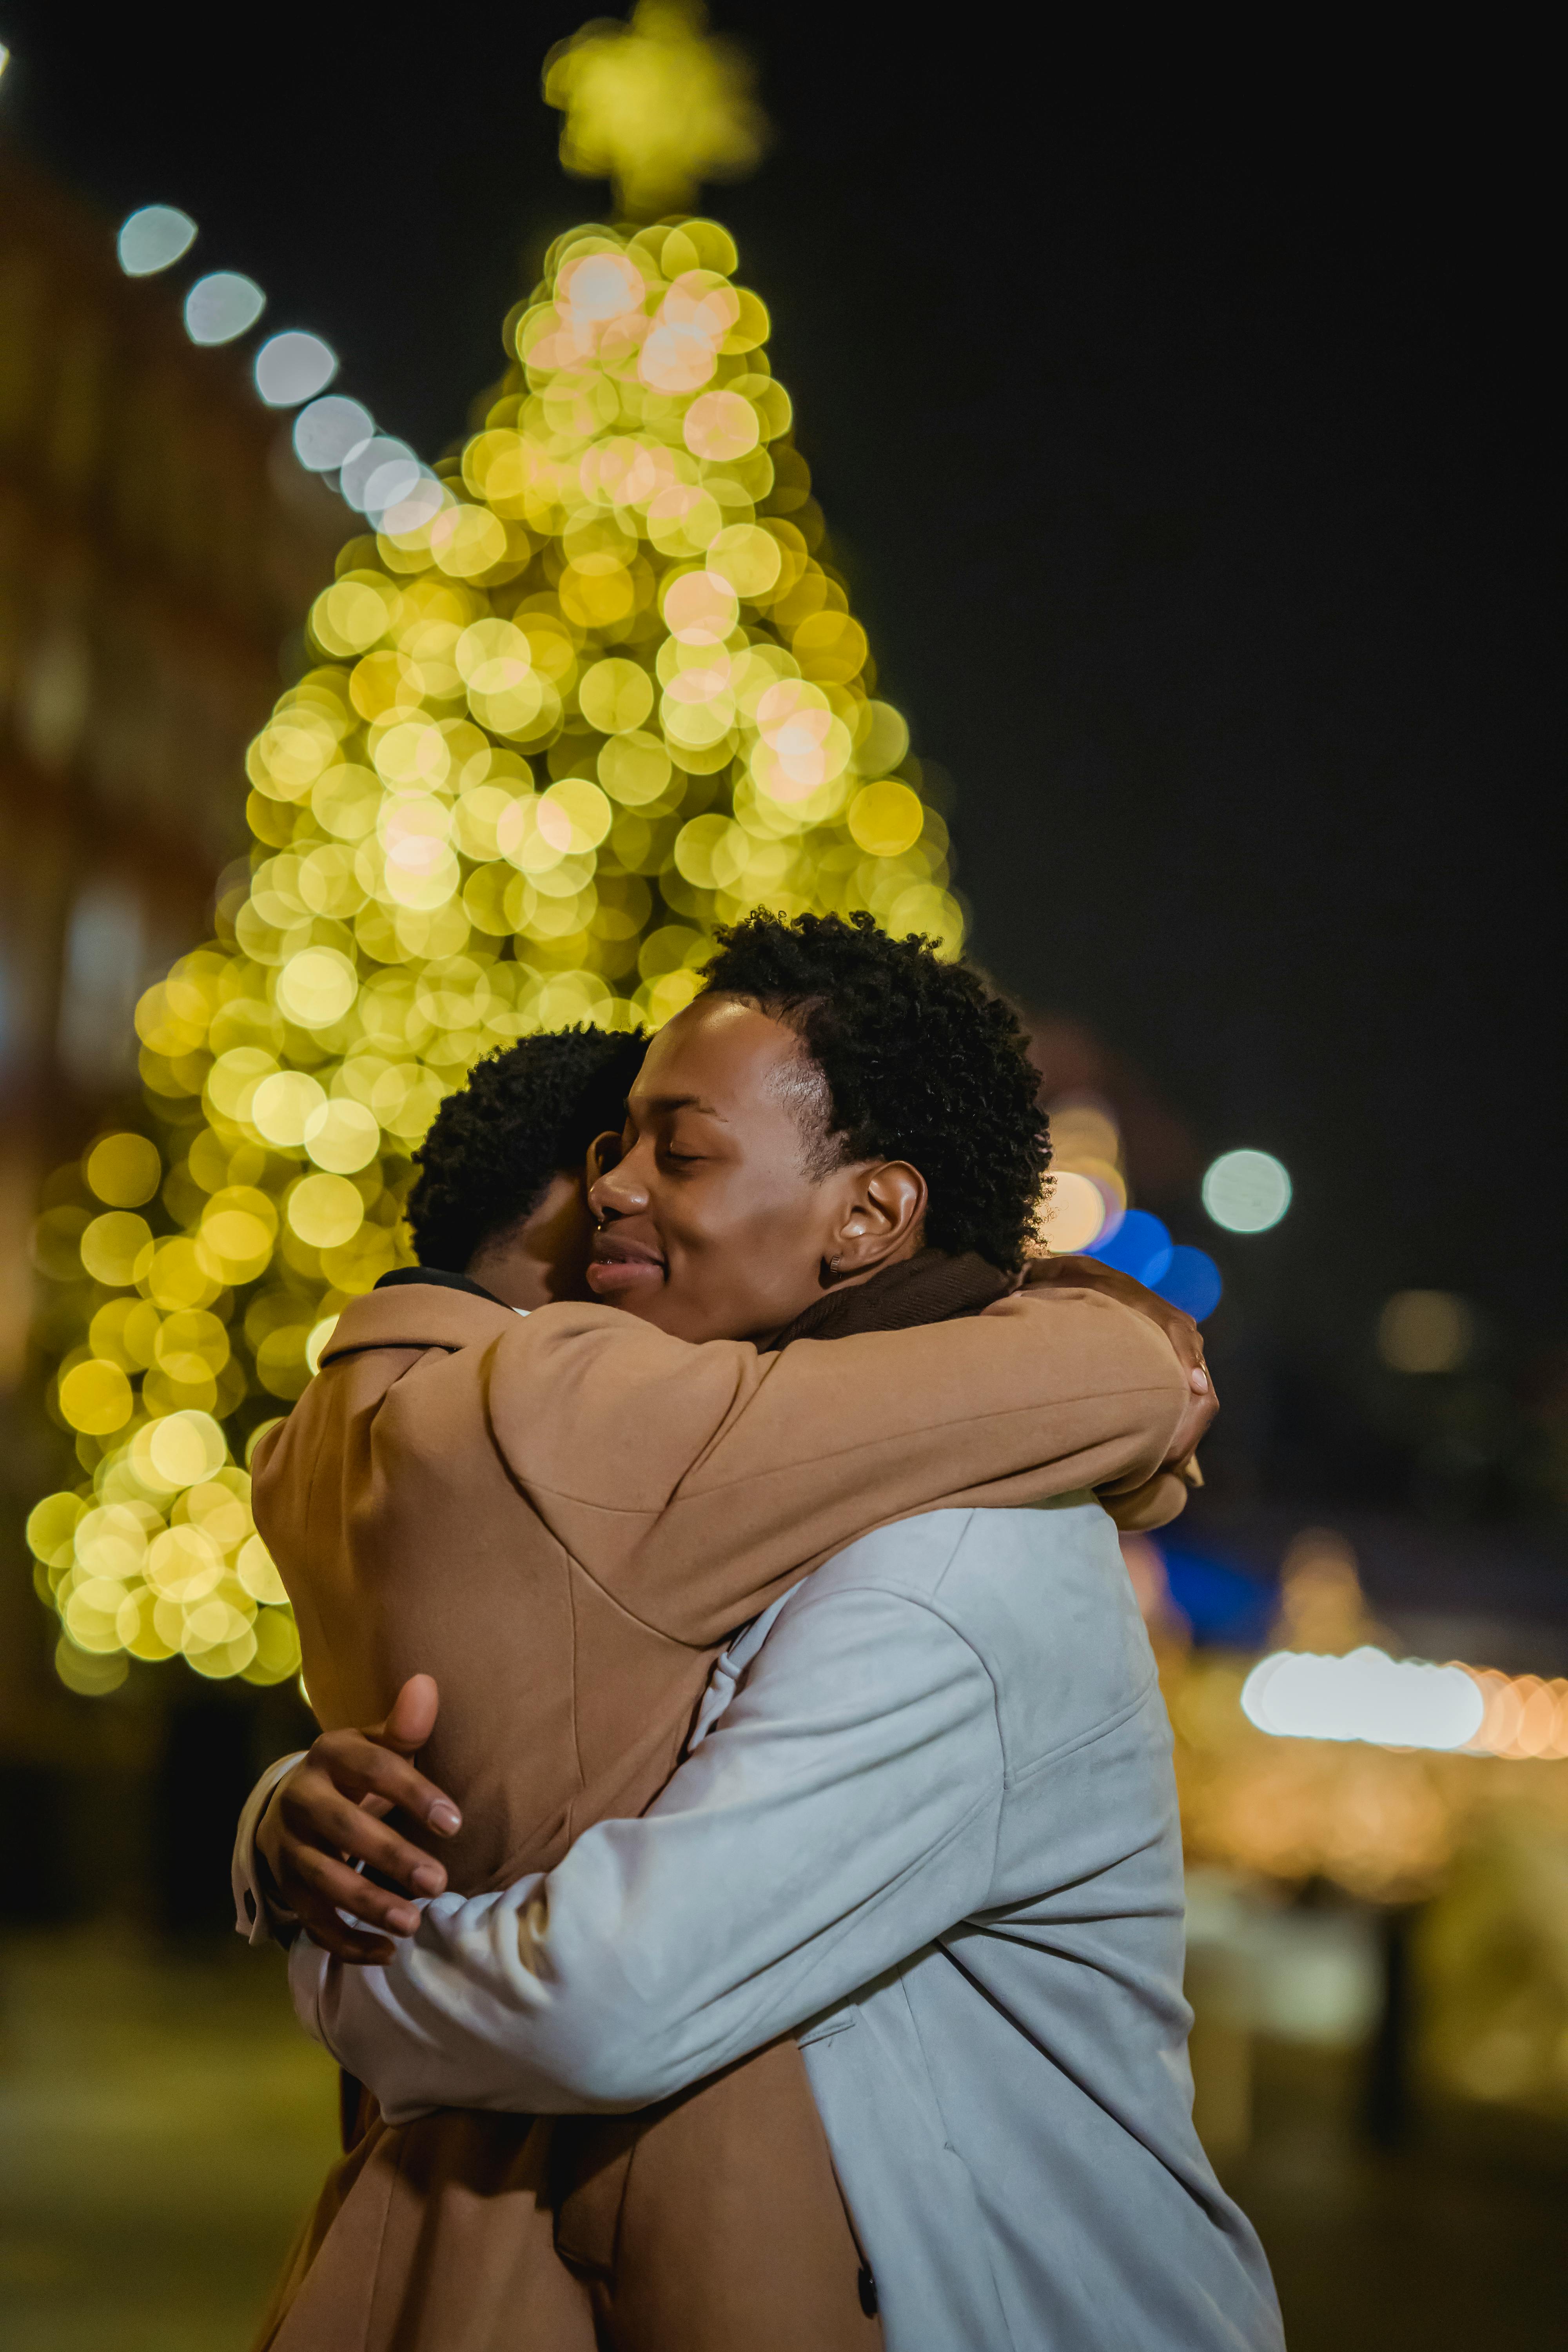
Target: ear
point(882, 1218)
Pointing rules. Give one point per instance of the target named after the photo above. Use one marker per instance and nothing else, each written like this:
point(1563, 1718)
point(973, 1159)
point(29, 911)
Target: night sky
point(1182, 424)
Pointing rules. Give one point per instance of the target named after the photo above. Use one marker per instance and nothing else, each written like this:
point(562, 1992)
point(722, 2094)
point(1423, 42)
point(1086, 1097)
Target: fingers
point(325, 1926)
point(314, 1816)
point(329, 1815)
point(1188, 1342)
point(1180, 1328)
point(412, 1717)
point(357, 1764)
point(316, 1882)
point(1199, 1412)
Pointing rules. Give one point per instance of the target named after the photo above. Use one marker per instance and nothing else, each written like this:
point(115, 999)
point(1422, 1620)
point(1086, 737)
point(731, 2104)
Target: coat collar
point(419, 1314)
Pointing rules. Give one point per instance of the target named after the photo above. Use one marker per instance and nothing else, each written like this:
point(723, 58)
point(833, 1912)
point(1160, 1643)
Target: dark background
point(1186, 420)
point(1183, 412)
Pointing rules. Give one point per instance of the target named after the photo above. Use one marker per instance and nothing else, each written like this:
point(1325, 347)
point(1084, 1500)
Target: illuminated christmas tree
point(588, 687)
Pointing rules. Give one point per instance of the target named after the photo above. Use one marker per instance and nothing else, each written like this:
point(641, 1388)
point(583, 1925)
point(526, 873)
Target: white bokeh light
point(382, 460)
point(328, 431)
point(387, 483)
point(1389, 1702)
point(1247, 1192)
point(222, 306)
point(412, 504)
point(152, 239)
point(294, 367)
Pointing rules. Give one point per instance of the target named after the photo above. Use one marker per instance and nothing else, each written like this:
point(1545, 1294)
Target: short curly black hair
point(922, 1062)
point(494, 1145)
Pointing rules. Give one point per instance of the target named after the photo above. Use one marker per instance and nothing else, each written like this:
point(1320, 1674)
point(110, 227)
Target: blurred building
point(158, 545)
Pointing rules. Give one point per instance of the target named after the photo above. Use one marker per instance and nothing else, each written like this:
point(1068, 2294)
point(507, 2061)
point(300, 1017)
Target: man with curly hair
point(497, 1205)
point(839, 1139)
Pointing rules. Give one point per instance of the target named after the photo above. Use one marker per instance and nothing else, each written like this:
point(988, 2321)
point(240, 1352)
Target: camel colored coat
point(562, 1518)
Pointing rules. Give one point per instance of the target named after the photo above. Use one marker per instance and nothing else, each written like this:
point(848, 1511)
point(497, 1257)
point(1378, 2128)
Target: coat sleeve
point(696, 1484)
point(842, 1815)
point(257, 1917)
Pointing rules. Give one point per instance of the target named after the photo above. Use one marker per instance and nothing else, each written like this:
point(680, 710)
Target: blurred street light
point(294, 367)
point(222, 306)
point(1247, 1192)
point(152, 239)
point(328, 431)
point(1425, 1331)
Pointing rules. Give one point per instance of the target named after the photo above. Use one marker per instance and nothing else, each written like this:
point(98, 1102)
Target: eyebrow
point(677, 1102)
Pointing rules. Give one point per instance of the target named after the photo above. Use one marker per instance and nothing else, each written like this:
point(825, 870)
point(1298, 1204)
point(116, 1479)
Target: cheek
point(566, 1249)
point(742, 1258)
point(727, 1220)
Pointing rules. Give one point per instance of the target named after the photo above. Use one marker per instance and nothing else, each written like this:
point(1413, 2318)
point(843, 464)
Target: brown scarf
point(929, 1287)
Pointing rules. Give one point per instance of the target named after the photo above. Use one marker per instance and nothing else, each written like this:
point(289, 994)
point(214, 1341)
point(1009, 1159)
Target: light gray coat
point(935, 1830)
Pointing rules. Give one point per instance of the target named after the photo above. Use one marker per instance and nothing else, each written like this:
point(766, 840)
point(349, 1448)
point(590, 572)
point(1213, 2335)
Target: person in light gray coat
point(928, 1823)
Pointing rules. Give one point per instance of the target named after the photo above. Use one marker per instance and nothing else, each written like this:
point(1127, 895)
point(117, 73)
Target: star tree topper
point(656, 106)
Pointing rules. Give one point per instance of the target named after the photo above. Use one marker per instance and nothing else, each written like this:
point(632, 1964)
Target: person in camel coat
point(564, 1517)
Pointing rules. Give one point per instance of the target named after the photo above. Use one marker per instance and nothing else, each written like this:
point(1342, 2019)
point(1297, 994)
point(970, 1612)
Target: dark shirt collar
point(434, 1276)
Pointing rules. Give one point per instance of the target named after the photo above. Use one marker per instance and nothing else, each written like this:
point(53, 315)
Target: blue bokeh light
point(1139, 1246)
point(1222, 1602)
point(1192, 1281)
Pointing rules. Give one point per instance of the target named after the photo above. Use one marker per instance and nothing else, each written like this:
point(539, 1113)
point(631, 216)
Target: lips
point(617, 1265)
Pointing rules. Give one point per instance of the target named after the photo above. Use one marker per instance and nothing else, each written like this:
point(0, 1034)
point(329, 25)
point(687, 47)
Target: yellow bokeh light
point(635, 770)
point(721, 426)
point(254, 1568)
point(343, 1137)
point(747, 558)
point(1073, 1214)
point(95, 1397)
point(175, 1277)
point(1418, 1331)
point(282, 1106)
point(183, 1564)
point(655, 106)
point(124, 1170)
point(317, 987)
point(51, 1527)
point(237, 1229)
point(183, 1449)
point(112, 1246)
point(602, 691)
point(616, 696)
point(574, 815)
point(700, 609)
point(325, 1210)
point(885, 818)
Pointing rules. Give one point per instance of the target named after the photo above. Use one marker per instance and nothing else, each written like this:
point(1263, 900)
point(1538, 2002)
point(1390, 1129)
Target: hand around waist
point(327, 1827)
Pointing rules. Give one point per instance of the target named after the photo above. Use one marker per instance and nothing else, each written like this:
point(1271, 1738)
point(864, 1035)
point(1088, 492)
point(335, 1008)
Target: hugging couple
point(779, 1945)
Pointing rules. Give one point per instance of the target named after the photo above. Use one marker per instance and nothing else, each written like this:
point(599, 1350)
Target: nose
point(618, 1190)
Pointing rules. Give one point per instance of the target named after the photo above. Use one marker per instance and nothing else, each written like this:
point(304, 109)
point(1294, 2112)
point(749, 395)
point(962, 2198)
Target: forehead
point(720, 1053)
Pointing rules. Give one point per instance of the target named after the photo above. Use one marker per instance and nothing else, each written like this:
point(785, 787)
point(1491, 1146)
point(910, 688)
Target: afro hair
point(494, 1146)
point(922, 1062)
